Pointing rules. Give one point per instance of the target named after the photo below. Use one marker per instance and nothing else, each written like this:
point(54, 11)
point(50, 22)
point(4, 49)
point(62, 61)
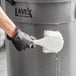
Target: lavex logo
point(23, 12)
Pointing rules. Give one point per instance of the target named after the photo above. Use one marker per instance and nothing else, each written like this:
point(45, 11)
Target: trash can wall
point(43, 16)
point(33, 62)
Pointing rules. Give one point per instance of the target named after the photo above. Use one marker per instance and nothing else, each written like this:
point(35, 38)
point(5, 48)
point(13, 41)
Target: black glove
point(21, 41)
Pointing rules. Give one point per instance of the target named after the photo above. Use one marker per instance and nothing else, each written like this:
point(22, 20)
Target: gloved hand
point(21, 40)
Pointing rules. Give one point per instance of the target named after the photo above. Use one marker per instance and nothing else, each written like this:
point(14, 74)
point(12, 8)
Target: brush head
point(52, 42)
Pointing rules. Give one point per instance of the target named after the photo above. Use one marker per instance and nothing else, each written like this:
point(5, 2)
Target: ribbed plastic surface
point(42, 1)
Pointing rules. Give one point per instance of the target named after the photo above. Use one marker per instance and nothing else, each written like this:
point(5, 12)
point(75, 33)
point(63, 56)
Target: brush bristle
point(53, 45)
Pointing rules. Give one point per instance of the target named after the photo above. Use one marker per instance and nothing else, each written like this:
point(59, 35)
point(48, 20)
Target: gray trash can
point(34, 17)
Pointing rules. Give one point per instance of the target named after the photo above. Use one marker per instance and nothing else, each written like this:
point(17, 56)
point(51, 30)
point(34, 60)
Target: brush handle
point(7, 24)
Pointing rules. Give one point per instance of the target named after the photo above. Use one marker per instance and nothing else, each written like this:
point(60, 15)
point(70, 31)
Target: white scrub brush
point(52, 42)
